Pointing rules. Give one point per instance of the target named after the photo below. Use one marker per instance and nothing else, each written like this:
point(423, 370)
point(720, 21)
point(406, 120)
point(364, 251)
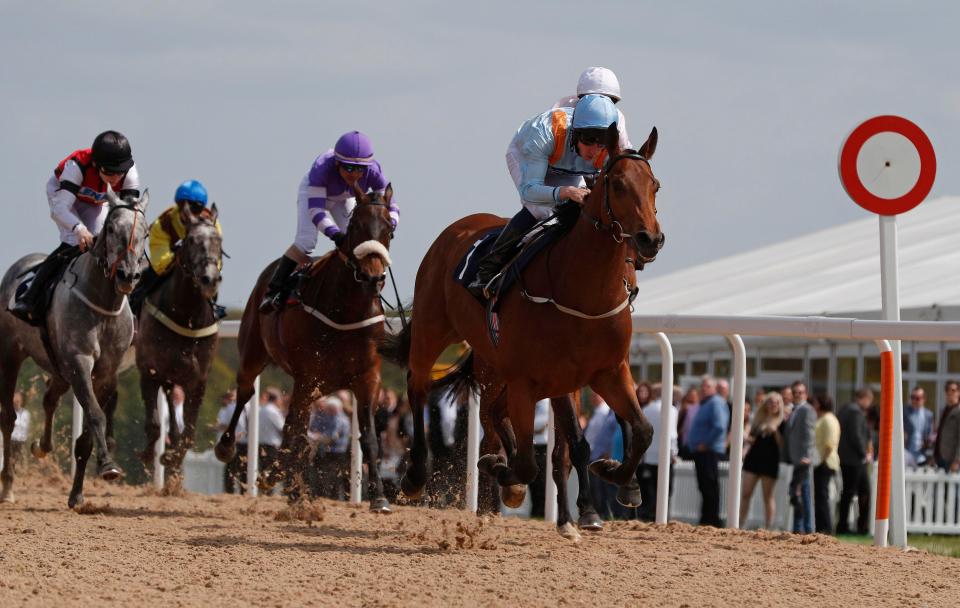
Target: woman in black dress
point(762, 461)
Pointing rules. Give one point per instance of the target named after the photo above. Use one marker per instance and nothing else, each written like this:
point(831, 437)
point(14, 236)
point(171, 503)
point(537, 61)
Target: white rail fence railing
point(935, 493)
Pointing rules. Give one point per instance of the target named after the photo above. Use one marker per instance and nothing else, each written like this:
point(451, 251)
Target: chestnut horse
point(544, 351)
point(327, 343)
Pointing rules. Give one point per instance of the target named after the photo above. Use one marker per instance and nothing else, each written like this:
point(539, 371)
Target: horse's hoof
point(605, 468)
point(168, 459)
point(7, 496)
point(411, 490)
point(590, 522)
point(629, 496)
point(569, 532)
point(110, 472)
point(37, 451)
point(513, 496)
point(146, 457)
point(488, 462)
point(225, 452)
point(75, 501)
point(380, 505)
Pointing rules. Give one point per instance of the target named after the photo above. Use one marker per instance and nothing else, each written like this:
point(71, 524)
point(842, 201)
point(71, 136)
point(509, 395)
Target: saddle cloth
point(535, 241)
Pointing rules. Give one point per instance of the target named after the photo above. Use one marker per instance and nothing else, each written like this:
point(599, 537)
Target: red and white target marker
point(887, 165)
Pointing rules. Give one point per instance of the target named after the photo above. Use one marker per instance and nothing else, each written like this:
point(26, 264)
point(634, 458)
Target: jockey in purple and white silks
point(324, 203)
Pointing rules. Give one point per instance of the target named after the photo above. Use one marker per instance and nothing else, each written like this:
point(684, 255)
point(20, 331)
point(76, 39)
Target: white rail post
point(253, 440)
point(473, 450)
point(356, 456)
point(736, 440)
point(890, 290)
point(550, 491)
point(163, 421)
point(666, 405)
point(75, 434)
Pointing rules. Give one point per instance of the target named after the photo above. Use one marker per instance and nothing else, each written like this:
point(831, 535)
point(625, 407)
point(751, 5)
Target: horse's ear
point(388, 193)
point(361, 197)
point(112, 199)
point(649, 146)
point(144, 201)
point(214, 213)
point(613, 141)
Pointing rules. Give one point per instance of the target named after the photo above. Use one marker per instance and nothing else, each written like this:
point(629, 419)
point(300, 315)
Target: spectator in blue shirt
point(917, 428)
point(707, 442)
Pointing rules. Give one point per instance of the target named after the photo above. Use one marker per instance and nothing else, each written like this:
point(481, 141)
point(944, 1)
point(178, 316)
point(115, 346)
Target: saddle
point(539, 237)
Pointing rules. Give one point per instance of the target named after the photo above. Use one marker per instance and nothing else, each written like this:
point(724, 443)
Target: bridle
point(615, 228)
point(359, 275)
point(185, 264)
point(110, 270)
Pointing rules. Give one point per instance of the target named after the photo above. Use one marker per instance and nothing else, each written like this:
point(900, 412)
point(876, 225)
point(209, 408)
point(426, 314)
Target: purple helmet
point(354, 148)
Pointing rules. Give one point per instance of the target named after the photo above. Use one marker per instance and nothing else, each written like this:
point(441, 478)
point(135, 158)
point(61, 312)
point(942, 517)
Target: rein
point(361, 277)
point(615, 228)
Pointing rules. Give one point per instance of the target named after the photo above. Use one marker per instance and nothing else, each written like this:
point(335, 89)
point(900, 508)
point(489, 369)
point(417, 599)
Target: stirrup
point(271, 303)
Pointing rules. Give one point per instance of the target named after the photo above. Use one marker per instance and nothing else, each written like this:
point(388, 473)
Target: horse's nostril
point(663, 239)
point(136, 276)
point(644, 238)
point(205, 280)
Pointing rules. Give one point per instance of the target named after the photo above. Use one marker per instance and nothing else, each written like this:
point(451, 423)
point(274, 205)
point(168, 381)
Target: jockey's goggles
point(352, 168)
point(109, 172)
point(591, 137)
point(195, 207)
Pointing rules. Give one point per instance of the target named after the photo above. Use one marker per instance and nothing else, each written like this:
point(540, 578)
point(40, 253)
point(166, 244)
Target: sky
point(751, 100)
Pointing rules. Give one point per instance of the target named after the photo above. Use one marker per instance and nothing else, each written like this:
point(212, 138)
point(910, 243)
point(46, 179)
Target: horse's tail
point(395, 347)
point(459, 379)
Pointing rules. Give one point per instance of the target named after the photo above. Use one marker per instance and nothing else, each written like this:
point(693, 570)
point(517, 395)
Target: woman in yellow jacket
point(827, 438)
point(166, 232)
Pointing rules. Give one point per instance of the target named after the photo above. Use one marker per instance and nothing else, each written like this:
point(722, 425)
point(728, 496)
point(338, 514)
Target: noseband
point(615, 228)
point(359, 275)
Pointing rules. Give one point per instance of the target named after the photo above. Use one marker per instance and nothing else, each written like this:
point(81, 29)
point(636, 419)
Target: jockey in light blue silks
point(554, 151)
point(324, 203)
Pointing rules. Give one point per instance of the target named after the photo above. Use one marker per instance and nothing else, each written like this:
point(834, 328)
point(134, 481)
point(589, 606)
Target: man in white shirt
point(648, 472)
point(234, 473)
point(21, 428)
point(271, 428)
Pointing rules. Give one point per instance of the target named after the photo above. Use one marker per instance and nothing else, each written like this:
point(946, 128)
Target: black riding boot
point(502, 249)
point(279, 287)
point(31, 307)
point(148, 282)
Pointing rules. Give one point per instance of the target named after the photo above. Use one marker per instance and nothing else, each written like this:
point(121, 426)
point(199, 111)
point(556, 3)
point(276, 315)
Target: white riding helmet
point(600, 81)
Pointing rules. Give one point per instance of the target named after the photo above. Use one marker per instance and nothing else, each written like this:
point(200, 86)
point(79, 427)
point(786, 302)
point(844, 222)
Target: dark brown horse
point(327, 343)
point(177, 339)
point(544, 351)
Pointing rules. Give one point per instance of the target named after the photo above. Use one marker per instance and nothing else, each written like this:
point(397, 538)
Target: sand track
point(133, 545)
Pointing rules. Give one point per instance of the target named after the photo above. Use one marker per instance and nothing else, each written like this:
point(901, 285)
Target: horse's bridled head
point(121, 243)
point(200, 255)
point(633, 197)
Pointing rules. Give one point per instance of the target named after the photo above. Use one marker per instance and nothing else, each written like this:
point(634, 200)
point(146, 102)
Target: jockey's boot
point(279, 287)
point(502, 249)
point(148, 282)
point(30, 307)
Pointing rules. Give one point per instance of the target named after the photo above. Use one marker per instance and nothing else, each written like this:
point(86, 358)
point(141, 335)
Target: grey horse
point(89, 326)
point(178, 335)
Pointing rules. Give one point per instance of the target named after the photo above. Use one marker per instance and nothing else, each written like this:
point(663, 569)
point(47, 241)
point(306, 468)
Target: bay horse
point(327, 343)
point(89, 327)
point(178, 336)
point(583, 340)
